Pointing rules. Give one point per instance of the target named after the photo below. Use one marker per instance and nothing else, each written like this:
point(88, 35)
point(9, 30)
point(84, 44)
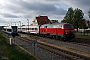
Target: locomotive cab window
point(68, 26)
point(71, 26)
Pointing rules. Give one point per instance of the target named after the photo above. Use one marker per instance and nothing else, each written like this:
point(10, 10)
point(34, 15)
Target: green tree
point(89, 24)
point(69, 16)
point(54, 21)
point(83, 24)
point(75, 17)
point(78, 19)
point(89, 17)
point(89, 14)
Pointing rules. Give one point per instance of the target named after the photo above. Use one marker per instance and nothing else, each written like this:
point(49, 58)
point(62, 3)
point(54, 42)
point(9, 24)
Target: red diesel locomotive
point(63, 31)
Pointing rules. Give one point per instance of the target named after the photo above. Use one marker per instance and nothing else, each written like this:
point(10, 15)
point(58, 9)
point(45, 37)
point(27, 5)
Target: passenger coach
point(29, 29)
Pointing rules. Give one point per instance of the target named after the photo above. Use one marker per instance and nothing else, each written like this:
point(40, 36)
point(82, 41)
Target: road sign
point(34, 43)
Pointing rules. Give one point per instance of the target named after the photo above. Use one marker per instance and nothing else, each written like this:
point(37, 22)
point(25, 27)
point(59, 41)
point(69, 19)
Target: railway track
point(59, 42)
point(73, 42)
point(45, 38)
point(59, 50)
point(66, 54)
point(82, 44)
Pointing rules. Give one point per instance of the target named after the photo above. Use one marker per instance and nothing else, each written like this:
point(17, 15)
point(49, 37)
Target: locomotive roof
point(55, 24)
point(7, 27)
point(33, 26)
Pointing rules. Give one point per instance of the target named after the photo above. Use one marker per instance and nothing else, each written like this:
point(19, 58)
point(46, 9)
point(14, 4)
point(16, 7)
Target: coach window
point(49, 26)
point(55, 26)
point(45, 27)
point(29, 28)
point(22, 28)
point(36, 29)
point(42, 26)
point(32, 28)
point(60, 26)
point(26, 28)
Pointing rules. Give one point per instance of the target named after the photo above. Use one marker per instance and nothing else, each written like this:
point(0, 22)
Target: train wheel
point(52, 36)
point(64, 39)
point(59, 37)
point(56, 37)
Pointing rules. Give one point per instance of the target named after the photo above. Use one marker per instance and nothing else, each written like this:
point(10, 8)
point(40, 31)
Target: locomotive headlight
point(66, 33)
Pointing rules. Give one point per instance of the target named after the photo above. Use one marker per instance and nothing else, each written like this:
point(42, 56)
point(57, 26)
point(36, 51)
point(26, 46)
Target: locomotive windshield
point(68, 26)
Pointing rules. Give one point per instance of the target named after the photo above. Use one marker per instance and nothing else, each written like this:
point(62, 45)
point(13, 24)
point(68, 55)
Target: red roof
point(42, 20)
point(86, 21)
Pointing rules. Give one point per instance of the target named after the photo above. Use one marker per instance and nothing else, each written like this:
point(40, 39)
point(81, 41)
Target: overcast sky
point(20, 10)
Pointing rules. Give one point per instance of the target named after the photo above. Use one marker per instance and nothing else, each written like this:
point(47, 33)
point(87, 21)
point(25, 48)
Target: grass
point(81, 38)
point(12, 52)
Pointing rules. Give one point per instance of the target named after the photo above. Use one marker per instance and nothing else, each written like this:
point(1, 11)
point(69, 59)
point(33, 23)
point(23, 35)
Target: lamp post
point(8, 24)
point(11, 24)
point(20, 25)
point(6, 27)
point(15, 23)
point(28, 25)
